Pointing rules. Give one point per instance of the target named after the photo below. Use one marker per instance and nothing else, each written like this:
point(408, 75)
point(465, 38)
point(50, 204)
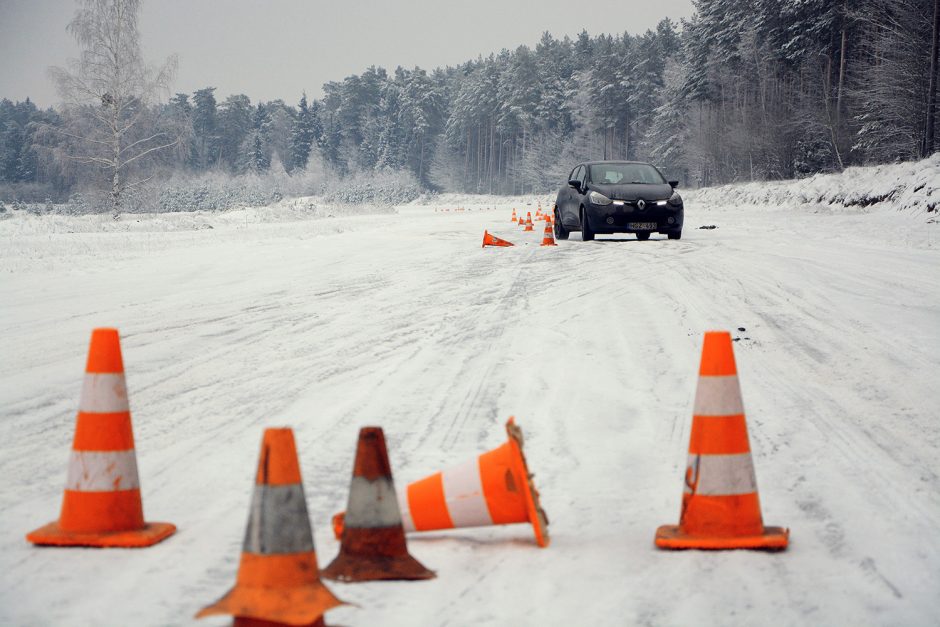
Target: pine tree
point(302, 136)
point(206, 140)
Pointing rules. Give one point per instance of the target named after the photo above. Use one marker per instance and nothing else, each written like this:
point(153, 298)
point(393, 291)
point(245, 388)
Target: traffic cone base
point(373, 543)
point(374, 555)
point(276, 589)
point(278, 582)
point(494, 489)
point(672, 537)
point(244, 621)
point(534, 512)
point(492, 240)
point(151, 533)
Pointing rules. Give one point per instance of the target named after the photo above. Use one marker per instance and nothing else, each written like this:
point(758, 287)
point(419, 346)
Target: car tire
point(643, 236)
point(587, 234)
point(677, 234)
point(560, 231)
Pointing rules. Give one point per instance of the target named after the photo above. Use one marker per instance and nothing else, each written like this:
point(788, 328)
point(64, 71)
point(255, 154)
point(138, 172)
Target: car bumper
point(626, 219)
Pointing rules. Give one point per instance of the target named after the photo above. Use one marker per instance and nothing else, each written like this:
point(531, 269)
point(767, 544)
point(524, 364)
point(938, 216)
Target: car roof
point(612, 161)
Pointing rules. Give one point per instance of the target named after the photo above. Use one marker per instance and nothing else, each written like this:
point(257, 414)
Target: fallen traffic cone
point(373, 542)
point(720, 506)
point(548, 238)
point(278, 582)
point(528, 221)
point(514, 218)
point(102, 505)
point(492, 240)
point(493, 489)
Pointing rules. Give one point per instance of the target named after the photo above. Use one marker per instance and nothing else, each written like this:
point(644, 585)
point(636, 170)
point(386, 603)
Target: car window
point(574, 173)
point(580, 176)
point(625, 174)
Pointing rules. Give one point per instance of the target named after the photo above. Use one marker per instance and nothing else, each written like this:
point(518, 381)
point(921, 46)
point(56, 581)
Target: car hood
point(634, 192)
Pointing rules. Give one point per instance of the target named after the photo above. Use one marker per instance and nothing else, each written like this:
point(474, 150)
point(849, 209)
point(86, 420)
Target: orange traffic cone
point(102, 505)
point(548, 238)
point(720, 506)
point(278, 582)
point(492, 240)
point(493, 489)
point(373, 542)
point(528, 221)
point(514, 218)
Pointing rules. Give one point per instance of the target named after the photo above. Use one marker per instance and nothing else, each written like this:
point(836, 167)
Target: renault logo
point(641, 204)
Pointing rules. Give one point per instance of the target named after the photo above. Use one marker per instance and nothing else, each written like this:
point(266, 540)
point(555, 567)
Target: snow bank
point(291, 210)
point(913, 186)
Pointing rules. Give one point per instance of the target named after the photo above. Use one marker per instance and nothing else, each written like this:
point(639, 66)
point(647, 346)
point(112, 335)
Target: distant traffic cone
point(492, 240)
point(720, 506)
point(528, 221)
point(493, 489)
point(278, 582)
point(373, 542)
point(548, 238)
point(102, 506)
point(514, 218)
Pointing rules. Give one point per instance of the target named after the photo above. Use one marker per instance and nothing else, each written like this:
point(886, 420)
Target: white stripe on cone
point(372, 504)
point(102, 471)
point(278, 522)
point(104, 393)
point(718, 396)
point(463, 493)
point(720, 475)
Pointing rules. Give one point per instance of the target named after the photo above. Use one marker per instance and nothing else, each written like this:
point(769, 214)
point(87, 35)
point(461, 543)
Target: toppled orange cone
point(528, 221)
point(102, 506)
point(373, 540)
point(720, 506)
point(548, 238)
point(278, 582)
point(493, 489)
point(492, 240)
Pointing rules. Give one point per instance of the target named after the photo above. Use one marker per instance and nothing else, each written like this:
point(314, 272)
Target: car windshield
point(625, 174)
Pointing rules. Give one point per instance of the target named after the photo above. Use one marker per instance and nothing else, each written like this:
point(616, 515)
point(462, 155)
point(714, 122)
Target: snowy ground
point(404, 321)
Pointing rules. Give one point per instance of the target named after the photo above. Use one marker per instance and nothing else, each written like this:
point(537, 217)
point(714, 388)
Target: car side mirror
point(674, 184)
point(575, 183)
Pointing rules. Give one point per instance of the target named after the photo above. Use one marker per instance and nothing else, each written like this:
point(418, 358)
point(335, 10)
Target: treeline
point(744, 90)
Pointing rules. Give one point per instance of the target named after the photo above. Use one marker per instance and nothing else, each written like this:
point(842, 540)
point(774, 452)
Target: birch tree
point(107, 92)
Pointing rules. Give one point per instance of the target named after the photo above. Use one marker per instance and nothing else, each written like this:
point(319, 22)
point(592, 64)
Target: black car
point(618, 197)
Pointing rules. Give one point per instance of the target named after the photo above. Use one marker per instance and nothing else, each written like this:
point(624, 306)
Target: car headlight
point(675, 200)
point(598, 199)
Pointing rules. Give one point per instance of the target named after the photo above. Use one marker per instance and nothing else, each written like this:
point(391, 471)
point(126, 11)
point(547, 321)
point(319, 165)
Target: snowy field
point(403, 321)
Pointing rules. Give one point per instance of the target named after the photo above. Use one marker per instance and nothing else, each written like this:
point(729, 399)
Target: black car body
point(618, 197)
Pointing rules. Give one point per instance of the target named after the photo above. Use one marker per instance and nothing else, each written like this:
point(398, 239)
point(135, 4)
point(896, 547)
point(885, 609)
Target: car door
point(564, 198)
point(571, 216)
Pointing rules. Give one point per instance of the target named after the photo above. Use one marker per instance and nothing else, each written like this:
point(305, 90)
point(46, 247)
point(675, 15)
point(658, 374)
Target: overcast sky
point(271, 49)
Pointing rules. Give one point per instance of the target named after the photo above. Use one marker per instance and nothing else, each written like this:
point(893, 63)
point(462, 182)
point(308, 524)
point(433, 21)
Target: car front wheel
point(560, 231)
point(586, 233)
point(677, 234)
point(643, 236)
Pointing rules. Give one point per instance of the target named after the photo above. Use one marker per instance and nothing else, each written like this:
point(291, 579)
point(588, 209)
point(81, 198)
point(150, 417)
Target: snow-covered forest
point(744, 90)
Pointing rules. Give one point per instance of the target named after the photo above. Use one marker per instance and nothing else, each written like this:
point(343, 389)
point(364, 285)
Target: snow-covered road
point(403, 321)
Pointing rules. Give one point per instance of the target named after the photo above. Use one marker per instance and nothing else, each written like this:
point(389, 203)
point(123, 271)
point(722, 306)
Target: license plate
point(642, 226)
